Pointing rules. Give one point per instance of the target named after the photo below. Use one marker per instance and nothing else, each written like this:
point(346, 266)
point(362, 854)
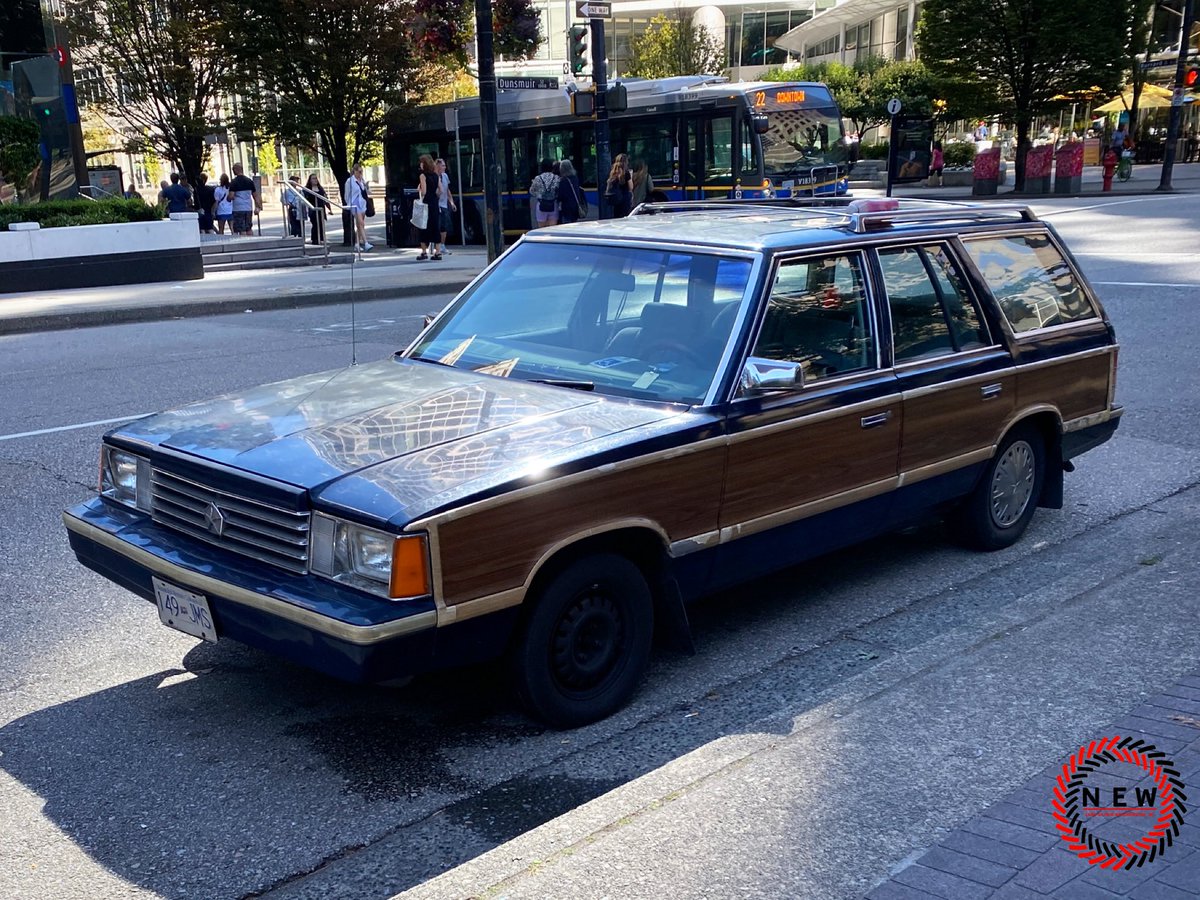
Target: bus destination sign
point(527, 84)
point(778, 97)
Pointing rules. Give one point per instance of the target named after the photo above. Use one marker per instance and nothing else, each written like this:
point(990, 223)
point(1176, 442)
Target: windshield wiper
point(560, 382)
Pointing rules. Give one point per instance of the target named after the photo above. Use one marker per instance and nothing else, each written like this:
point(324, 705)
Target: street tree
point(675, 45)
point(19, 140)
point(1028, 51)
point(1138, 21)
point(167, 63)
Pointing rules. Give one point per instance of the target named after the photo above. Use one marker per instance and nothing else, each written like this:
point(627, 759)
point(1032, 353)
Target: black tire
point(1003, 503)
point(586, 642)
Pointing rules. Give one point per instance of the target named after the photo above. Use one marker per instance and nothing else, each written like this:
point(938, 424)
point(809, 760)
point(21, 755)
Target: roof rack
point(868, 214)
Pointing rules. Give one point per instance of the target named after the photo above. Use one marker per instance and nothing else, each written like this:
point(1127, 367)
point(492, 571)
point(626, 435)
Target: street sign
point(588, 9)
point(527, 84)
point(893, 106)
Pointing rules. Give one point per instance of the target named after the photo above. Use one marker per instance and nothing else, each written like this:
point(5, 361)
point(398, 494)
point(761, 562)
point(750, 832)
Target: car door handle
point(876, 420)
point(988, 391)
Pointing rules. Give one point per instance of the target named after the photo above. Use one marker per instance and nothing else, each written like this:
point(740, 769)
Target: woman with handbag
point(425, 209)
point(572, 202)
point(355, 194)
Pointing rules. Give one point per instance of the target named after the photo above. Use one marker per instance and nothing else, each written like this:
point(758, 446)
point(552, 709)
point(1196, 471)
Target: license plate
point(184, 610)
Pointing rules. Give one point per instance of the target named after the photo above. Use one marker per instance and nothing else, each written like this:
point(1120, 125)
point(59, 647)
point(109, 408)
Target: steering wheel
point(653, 352)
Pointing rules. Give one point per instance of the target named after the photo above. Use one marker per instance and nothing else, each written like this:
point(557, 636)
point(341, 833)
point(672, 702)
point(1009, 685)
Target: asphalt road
point(790, 757)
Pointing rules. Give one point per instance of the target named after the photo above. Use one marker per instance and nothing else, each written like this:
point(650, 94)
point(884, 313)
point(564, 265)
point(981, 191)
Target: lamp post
point(1176, 118)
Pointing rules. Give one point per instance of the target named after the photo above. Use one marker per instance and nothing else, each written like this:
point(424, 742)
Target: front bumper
point(309, 620)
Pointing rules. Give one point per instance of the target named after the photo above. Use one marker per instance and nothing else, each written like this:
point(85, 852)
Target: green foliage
point(19, 140)
point(60, 213)
point(959, 155)
point(674, 45)
point(877, 150)
point(517, 29)
point(1025, 51)
point(168, 65)
point(331, 68)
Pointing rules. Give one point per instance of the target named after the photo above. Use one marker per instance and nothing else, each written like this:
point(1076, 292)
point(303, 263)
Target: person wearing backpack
point(572, 202)
point(544, 196)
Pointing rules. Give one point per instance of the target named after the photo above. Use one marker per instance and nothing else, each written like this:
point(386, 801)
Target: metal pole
point(600, 80)
point(488, 128)
point(891, 158)
point(1176, 119)
point(462, 216)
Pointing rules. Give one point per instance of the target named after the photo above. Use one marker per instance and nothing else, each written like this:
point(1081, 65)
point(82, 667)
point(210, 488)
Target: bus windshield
point(799, 139)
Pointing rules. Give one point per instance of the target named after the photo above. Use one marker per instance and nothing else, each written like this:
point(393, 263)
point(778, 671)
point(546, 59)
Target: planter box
point(1067, 184)
point(95, 255)
point(983, 187)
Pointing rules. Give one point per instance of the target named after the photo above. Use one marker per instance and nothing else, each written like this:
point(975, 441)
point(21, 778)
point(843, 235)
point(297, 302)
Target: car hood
point(408, 431)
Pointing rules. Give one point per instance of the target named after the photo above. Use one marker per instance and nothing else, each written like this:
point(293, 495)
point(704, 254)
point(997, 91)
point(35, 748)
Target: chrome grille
point(258, 530)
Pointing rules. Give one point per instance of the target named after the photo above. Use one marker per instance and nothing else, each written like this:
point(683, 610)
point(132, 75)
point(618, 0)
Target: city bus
point(700, 136)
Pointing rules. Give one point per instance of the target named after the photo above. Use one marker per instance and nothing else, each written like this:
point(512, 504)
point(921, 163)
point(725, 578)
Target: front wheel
point(1001, 506)
point(586, 642)
point(1125, 171)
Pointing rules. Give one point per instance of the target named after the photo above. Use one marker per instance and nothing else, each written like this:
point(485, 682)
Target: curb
point(185, 309)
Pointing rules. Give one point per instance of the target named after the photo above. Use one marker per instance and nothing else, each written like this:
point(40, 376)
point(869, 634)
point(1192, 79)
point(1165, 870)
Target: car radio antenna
point(353, 315)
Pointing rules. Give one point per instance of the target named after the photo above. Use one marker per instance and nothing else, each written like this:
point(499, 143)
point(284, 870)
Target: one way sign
point(586, 9)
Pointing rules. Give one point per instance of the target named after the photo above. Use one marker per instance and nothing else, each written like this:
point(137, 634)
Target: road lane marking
point(24, 434)
point(1063, 212)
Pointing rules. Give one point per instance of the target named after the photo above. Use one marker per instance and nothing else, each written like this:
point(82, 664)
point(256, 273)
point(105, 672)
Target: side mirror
point(760, 376)
point(761, 124)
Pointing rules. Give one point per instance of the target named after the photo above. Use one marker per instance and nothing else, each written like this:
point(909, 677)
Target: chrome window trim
point(961, 355)
point(1054, 361)
point(966, 381)
point(783, 257)
point(796, 421)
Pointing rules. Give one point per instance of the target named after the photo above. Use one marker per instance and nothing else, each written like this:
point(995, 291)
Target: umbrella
point(1153, 97)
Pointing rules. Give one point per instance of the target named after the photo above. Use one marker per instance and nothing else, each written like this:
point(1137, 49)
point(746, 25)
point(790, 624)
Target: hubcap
point(588, 641)
point(1012, 484)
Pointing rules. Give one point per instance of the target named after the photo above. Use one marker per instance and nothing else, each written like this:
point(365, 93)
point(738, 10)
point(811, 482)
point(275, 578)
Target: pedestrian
point(131, 193)
point(427, 194)
point(354, 194)
point(446, 203)
point(937, 163)
point(1118, 141)
point(291, 199)
point(618, 190)
point(643, 184)
point(543, 193)
point(246, 201)
point(318, 207)
point(204, 204)
point(177, 196)
point(1191, 145)
point(161, 200)
point(572, 201)
point(222, 204)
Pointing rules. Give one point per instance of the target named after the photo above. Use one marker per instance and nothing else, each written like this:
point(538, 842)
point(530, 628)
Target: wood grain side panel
point(789, 467)
point(496, 549)
point(1077, 387)
point(954, 420)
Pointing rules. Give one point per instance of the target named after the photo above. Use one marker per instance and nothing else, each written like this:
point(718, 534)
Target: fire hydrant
point(1110, 168)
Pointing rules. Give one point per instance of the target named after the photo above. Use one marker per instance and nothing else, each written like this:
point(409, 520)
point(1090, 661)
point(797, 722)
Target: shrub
point(61, 213)
point(960, 155)
point(873, 151)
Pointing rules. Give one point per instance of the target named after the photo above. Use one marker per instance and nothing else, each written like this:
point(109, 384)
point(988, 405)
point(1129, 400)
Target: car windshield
point(634, 322)
point(799, 139)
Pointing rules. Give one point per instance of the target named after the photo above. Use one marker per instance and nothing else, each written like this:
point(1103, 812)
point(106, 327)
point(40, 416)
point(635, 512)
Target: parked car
point(613, 419)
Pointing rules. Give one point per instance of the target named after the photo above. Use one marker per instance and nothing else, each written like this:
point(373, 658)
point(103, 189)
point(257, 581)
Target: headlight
point(124, 478)
point(389, 565)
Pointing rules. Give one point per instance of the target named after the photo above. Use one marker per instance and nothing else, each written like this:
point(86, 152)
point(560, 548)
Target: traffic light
point(1191, 77)
point(616, 98)
point(577, 48)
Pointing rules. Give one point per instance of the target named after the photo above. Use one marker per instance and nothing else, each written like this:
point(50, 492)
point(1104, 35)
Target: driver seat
point(658, 323)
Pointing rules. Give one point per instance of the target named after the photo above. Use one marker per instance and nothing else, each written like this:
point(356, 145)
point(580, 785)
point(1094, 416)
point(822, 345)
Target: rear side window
point(932, 313)
point(1031, 281)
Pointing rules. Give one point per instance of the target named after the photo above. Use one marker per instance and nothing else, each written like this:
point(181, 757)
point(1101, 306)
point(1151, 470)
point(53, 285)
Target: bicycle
point(1125, 166)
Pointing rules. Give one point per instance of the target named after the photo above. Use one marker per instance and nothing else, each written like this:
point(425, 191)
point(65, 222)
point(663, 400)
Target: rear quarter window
point(1031, 281)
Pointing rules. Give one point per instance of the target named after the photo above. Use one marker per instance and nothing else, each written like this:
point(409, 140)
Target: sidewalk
point(381, 273)
point(387, 272)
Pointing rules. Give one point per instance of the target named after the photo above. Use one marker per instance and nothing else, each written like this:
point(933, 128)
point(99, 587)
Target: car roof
point(763, 225)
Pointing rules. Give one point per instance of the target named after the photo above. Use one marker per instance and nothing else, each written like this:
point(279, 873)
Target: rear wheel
point(999, 510)
point(586, 643)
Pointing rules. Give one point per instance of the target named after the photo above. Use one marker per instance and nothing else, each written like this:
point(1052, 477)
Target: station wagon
point(613, 419)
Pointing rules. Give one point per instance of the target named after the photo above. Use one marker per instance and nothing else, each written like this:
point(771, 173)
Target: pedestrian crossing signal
point(1191, 77)
point(577, 51)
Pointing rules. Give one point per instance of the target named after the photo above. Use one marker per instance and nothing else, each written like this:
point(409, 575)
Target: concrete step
point(291, 262)
point(242, 245)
